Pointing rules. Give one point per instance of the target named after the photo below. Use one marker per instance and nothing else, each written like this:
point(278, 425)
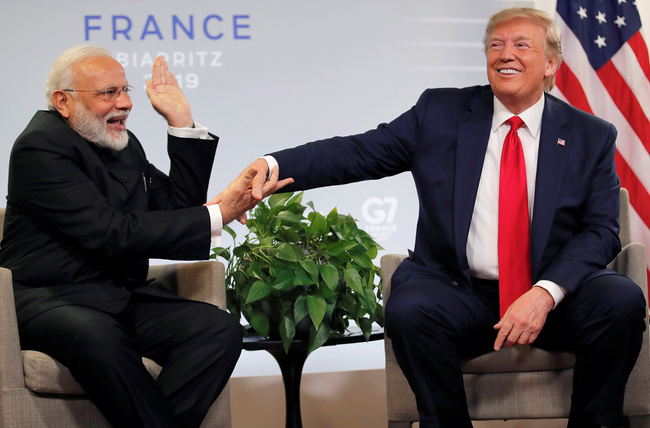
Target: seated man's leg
point(603, 322)
point(103, 357)
point(198, 346)
point(432, 324)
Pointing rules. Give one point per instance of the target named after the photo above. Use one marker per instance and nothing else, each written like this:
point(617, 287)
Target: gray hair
point(62, 72)
point(553, 45)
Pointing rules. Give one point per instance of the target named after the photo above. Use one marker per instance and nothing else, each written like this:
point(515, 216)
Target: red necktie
point(515, 277)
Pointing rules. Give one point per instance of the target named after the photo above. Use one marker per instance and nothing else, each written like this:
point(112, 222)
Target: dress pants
point(433, 324)
point(196, 343)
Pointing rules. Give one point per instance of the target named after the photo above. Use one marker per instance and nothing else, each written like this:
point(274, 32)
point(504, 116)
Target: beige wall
point(354, 399)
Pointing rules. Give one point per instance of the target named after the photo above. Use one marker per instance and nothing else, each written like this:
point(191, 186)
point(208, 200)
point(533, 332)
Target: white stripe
point(628, 65)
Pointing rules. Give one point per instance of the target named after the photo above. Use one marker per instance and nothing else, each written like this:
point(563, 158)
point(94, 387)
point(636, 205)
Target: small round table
point(292, 362)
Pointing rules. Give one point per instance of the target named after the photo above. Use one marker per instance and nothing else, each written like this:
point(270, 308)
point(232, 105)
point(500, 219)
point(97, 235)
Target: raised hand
point(166, 96)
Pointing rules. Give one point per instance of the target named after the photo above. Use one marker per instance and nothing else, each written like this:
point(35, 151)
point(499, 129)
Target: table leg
point(291, 365)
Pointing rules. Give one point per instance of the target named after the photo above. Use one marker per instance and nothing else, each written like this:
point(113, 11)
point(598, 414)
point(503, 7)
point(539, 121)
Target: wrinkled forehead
point(99, 73)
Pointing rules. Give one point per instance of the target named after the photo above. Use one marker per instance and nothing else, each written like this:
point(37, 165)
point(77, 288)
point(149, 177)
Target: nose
point(507, 53)
point(123, 101)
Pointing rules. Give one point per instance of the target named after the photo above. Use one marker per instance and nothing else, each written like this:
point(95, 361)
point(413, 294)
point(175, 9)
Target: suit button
point(124, 179)
point(454, 283)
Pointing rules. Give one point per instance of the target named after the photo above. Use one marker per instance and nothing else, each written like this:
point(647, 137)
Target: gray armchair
point(525, 382)
point(38, 391)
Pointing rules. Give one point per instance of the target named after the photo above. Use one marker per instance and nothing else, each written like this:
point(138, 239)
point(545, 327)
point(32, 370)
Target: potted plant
point(299, 274)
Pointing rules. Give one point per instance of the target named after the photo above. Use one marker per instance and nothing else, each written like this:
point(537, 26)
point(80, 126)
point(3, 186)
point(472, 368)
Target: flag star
point(582, 12)
point(601, 17)
point(600, 41)
point(620, 21)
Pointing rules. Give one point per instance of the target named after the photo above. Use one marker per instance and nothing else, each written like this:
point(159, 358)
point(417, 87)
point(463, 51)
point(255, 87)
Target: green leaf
point(353, 280)
point(317, 337)
point(317, 307)
point(287, 332)
point(230, 231)
point(284, 281)
point(259, 290)
point(260, 322)
point(220, 252)
point(289, 252)
point(279, 199)
point(300, 309)
point(302, 278)
point(364, 261)
point(330, 275)
point(311, 268)
point(366, 327)
point(318, 225)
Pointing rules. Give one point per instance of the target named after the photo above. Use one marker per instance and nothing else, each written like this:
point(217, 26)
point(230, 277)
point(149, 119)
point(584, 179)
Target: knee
point(623, 301)
point(405, 312)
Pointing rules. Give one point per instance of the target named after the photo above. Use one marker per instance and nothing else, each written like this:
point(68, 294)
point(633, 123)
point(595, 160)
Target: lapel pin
point(560, 142)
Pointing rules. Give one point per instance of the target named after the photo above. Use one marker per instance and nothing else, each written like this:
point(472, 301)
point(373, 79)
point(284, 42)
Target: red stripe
point(626, 102)
point(570, 86)
point(637, 43)
point(639, 197)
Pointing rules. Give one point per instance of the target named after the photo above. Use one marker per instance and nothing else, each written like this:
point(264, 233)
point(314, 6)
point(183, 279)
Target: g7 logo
point(377, 210)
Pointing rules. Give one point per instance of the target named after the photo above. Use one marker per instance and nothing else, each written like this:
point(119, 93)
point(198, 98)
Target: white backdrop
point(264, 75)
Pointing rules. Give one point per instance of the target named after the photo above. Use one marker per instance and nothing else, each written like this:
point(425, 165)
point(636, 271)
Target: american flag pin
point(560, 142)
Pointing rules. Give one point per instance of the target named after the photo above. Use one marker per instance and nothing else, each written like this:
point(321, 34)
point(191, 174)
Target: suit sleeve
point(584, 235)
point(60, 182)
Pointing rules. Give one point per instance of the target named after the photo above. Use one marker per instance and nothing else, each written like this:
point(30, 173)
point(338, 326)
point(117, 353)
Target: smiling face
point(98, 120)
point(517, 63)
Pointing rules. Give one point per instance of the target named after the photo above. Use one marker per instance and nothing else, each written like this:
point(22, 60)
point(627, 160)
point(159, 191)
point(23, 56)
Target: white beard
point(94, 129)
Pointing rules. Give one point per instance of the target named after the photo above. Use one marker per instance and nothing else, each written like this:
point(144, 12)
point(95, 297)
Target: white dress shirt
point(482, 242)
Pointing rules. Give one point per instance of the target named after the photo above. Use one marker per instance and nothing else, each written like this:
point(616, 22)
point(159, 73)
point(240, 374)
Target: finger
point(504, 331)
point(242, 218)
point(257, 185)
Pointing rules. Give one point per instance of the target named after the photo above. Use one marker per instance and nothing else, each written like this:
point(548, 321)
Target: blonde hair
point(62, 72)
point(553, 45)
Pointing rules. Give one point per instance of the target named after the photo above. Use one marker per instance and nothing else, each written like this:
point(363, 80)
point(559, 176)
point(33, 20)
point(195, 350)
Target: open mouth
point(509, 71)
point(117, 122)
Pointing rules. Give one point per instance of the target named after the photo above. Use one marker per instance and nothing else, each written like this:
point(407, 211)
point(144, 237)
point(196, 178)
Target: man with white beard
point(85, 212)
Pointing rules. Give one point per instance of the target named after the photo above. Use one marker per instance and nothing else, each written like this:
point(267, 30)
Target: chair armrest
point(204, 281)
point(11, 362)
point(631, 262)
point(389, 263)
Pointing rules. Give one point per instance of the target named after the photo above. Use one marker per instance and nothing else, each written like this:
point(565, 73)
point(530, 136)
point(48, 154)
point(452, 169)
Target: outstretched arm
point(166, 96)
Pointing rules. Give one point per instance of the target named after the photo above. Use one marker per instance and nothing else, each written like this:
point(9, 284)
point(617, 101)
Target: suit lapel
point(554, 145)
point(473, 133)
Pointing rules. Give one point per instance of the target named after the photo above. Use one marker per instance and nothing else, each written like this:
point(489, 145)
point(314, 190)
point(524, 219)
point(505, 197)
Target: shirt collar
point(532, 116)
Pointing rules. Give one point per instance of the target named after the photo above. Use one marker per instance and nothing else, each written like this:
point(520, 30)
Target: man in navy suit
point(445, 299)
point(86, 211)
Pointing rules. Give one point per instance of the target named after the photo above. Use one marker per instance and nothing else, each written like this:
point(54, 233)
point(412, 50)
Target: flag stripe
point(618, 90)
point(626, 101)
point(640, 49)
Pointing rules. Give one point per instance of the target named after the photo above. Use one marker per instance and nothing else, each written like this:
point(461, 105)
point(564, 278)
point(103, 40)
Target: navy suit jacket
point(82, 222)
point(442, 141)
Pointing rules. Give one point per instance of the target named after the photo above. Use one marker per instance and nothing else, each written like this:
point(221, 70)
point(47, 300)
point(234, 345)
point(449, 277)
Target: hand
point(524, 319)
point(166, 96)
point(239, 197)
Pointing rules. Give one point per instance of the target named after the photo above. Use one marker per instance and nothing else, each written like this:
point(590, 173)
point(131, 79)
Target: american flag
point(606, 72)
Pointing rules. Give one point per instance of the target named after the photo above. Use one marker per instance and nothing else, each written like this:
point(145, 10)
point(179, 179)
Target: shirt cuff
point(199, 132)
point(216, 225)
point(557, 291)
point(272, 163)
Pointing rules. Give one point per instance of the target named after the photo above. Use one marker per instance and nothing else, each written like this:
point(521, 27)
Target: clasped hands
point(247, 190)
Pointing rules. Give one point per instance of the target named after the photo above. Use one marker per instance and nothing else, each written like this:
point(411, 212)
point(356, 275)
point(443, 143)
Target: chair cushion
point(519, 359)
point(45, 375)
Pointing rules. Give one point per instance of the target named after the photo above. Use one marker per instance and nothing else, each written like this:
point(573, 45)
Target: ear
point(62, 100)
point(551, 66)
